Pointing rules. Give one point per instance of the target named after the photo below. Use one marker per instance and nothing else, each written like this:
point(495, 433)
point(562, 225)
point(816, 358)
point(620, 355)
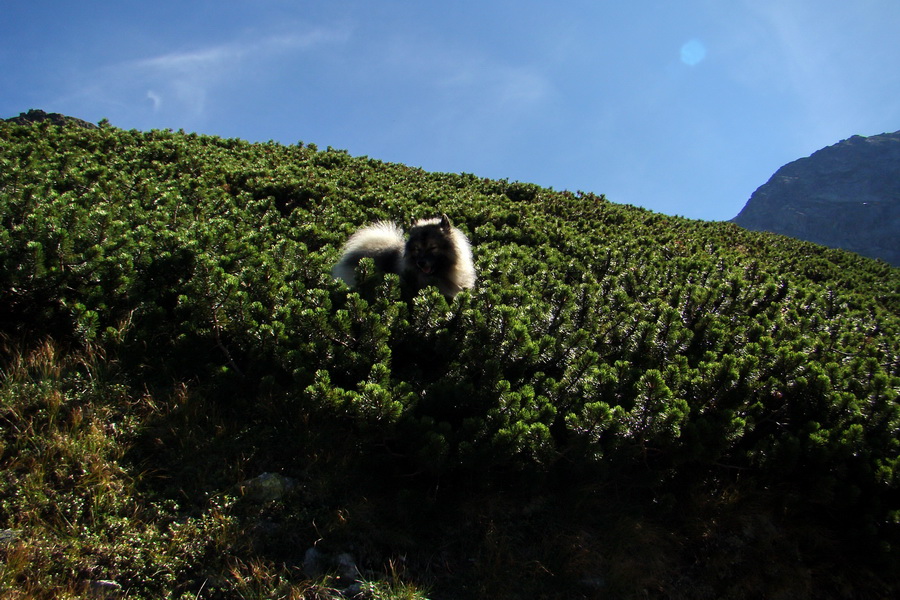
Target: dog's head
point(430, 248)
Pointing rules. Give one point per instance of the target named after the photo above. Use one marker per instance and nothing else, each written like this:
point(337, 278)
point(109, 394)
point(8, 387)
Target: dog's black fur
point(436, 253)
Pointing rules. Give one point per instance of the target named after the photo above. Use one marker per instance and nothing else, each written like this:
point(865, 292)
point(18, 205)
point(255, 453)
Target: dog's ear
point(445, 222)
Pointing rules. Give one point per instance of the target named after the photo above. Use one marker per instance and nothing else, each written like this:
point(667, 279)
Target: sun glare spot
point(693, 52)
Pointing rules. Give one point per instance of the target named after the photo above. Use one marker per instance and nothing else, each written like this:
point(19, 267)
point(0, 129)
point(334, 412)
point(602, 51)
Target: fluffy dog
point(436, 253)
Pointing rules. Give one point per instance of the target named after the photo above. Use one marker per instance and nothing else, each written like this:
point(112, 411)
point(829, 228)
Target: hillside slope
point(627, 404)
point(843, 196)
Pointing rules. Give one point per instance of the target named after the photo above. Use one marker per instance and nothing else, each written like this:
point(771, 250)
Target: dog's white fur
point(380, 237)
point(384, 241)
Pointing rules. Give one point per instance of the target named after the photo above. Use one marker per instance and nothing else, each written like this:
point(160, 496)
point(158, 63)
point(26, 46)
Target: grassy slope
point(629, 404)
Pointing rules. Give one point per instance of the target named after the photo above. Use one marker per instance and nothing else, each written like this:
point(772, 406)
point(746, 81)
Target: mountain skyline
point(846, 195)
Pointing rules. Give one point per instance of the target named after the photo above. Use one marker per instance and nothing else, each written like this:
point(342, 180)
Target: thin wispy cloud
point(467, 92)
point(183, 80)
point(446, 104)
point(155, 98)
point(224, 56)
point(189, 63)
point(182, 84)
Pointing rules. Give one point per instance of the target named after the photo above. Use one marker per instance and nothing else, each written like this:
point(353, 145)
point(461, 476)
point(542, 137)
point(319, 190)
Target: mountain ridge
point(846, 195)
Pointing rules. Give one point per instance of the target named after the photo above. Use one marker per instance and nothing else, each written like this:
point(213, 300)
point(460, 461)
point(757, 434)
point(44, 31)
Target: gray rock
point(313, 563)
point(843, 196)
point(593, 582)
point(8, 537)
point(354, 591)
point(268, 487)
point(343, 566)
point(346, 567)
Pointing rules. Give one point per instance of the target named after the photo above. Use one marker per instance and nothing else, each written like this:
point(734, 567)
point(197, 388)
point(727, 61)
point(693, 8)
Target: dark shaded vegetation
point(627, 405)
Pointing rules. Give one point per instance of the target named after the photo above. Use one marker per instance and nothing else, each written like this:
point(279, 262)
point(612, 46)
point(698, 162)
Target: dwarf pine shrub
point(601, 341)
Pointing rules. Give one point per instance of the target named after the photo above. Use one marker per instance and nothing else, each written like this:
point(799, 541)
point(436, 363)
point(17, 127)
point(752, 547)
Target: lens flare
point(693, 52)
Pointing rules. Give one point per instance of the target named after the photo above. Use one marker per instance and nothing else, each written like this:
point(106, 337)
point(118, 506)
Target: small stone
point(346, 567)
point(593, 582)
point(8, 537)
point(105, 589)
point(312, 563)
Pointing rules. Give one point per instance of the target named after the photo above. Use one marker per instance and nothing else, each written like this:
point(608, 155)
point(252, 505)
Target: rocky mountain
point(39, 116)
point(843, 196)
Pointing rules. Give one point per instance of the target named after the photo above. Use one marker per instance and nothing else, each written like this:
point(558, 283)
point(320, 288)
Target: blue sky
point(683, 107)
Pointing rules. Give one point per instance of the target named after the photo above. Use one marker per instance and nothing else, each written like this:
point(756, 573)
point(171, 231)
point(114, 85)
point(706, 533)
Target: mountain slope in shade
point(843, 196)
